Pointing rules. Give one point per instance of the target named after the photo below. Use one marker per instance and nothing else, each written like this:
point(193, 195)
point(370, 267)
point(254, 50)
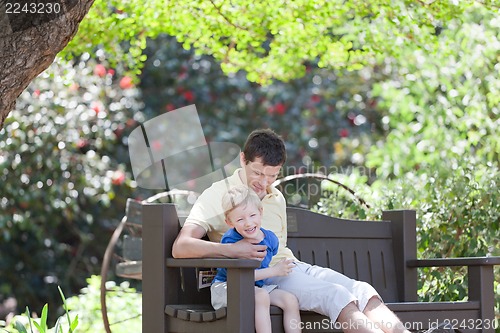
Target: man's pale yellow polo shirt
point(207, 213)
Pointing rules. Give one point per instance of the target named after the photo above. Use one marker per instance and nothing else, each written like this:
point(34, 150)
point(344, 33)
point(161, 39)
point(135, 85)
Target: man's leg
point(361, 291)
point(379, 313)
point(351, 319)
point(314, 294)
point(327, 298)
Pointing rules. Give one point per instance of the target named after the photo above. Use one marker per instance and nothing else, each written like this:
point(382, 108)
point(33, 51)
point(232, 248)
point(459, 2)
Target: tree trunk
point(29, 42)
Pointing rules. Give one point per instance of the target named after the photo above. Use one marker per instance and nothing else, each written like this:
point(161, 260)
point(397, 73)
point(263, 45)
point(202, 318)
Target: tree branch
point(26, 51)
point(218, 8)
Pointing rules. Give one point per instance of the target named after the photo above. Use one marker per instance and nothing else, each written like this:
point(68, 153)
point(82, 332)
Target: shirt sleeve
point(206, 211)
point(273, 242)
point(230, 237)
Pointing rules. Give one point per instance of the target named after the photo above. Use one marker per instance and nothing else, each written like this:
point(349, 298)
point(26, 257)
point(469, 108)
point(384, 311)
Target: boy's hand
point(283, 267)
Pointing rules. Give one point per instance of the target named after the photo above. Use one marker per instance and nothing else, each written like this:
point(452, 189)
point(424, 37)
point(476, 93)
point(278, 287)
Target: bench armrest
point(240, 281)
point(480, 278)
point(448, 262)
point(213, 262)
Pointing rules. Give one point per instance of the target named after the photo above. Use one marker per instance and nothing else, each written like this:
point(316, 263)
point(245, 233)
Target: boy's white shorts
point(218, 292)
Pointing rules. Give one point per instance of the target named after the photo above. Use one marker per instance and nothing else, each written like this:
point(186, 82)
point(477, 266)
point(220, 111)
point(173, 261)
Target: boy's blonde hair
point(237, 196)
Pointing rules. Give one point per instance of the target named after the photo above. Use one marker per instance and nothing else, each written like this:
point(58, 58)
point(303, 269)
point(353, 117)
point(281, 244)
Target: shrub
point(458, 215)
point(58, 179)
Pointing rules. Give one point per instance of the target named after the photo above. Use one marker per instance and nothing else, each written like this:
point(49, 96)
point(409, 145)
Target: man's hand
point(247, 250)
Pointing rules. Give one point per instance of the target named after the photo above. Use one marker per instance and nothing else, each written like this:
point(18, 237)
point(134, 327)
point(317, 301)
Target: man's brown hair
point(267, 145)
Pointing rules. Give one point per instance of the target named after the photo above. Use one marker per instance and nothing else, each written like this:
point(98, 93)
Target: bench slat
point(195, 312)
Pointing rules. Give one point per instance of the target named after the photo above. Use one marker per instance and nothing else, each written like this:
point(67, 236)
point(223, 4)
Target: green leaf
point(66, 308)
point(74, 324)
point(43, 319)
point(20, 327)
point(38, 327)
point(29, 318)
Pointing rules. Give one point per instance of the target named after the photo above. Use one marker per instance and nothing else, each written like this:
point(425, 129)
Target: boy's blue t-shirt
point(232, 236)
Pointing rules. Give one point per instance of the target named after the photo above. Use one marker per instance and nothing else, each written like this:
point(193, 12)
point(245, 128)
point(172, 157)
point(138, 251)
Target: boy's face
point(246, 220)
point(259, 176)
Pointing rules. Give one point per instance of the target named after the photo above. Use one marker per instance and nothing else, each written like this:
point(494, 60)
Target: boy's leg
point(290, 306)
point(218, 291)
point(262, 312)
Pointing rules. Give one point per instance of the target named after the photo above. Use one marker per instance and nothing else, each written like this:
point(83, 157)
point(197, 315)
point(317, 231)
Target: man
point(354, 304)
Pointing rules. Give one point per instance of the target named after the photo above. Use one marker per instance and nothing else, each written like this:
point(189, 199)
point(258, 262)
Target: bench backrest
point(362, 250)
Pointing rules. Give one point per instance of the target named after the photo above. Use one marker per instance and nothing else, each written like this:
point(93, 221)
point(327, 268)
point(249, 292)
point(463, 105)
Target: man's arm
point(190, 245)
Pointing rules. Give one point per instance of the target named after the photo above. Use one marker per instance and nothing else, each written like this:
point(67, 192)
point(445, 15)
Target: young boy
point(243, 212)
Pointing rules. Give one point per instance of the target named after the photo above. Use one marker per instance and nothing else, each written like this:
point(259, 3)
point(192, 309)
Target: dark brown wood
point(404, 240)
point(172, 283)
point(382, 253)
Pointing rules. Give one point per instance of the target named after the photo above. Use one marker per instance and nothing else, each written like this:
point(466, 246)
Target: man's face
point(259, 176)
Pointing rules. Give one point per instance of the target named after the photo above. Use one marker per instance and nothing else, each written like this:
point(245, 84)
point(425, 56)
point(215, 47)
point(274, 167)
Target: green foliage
point(327, 117)
point(21, 324)
point(58, 179)
point(458, 215)
point(441, 152)
point(124, 306)
point(441, 106)
point(270, 39)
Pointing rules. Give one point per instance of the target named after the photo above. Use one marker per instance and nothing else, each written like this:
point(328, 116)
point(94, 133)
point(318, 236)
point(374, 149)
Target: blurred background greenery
point(414, 130)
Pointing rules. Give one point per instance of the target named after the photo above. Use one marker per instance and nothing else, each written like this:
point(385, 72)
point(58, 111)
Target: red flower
point(315, 98)
point(100, 70)
point(111, 71)
point(36, 93)
point(170, 107)
point(96, 107)
point(189, 96)
point(280, 108)
point(126, 82)
point(118, 177)
point(82, 143)
point(344, 133)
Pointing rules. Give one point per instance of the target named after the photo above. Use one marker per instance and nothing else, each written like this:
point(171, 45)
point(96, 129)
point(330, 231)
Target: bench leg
point(481, 289)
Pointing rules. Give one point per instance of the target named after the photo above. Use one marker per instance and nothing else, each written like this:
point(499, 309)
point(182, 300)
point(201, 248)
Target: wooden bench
point(382, 253)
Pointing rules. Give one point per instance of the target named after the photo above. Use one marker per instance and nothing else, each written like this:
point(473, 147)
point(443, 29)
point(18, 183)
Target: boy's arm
point(189, 244)
point(282, 268)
